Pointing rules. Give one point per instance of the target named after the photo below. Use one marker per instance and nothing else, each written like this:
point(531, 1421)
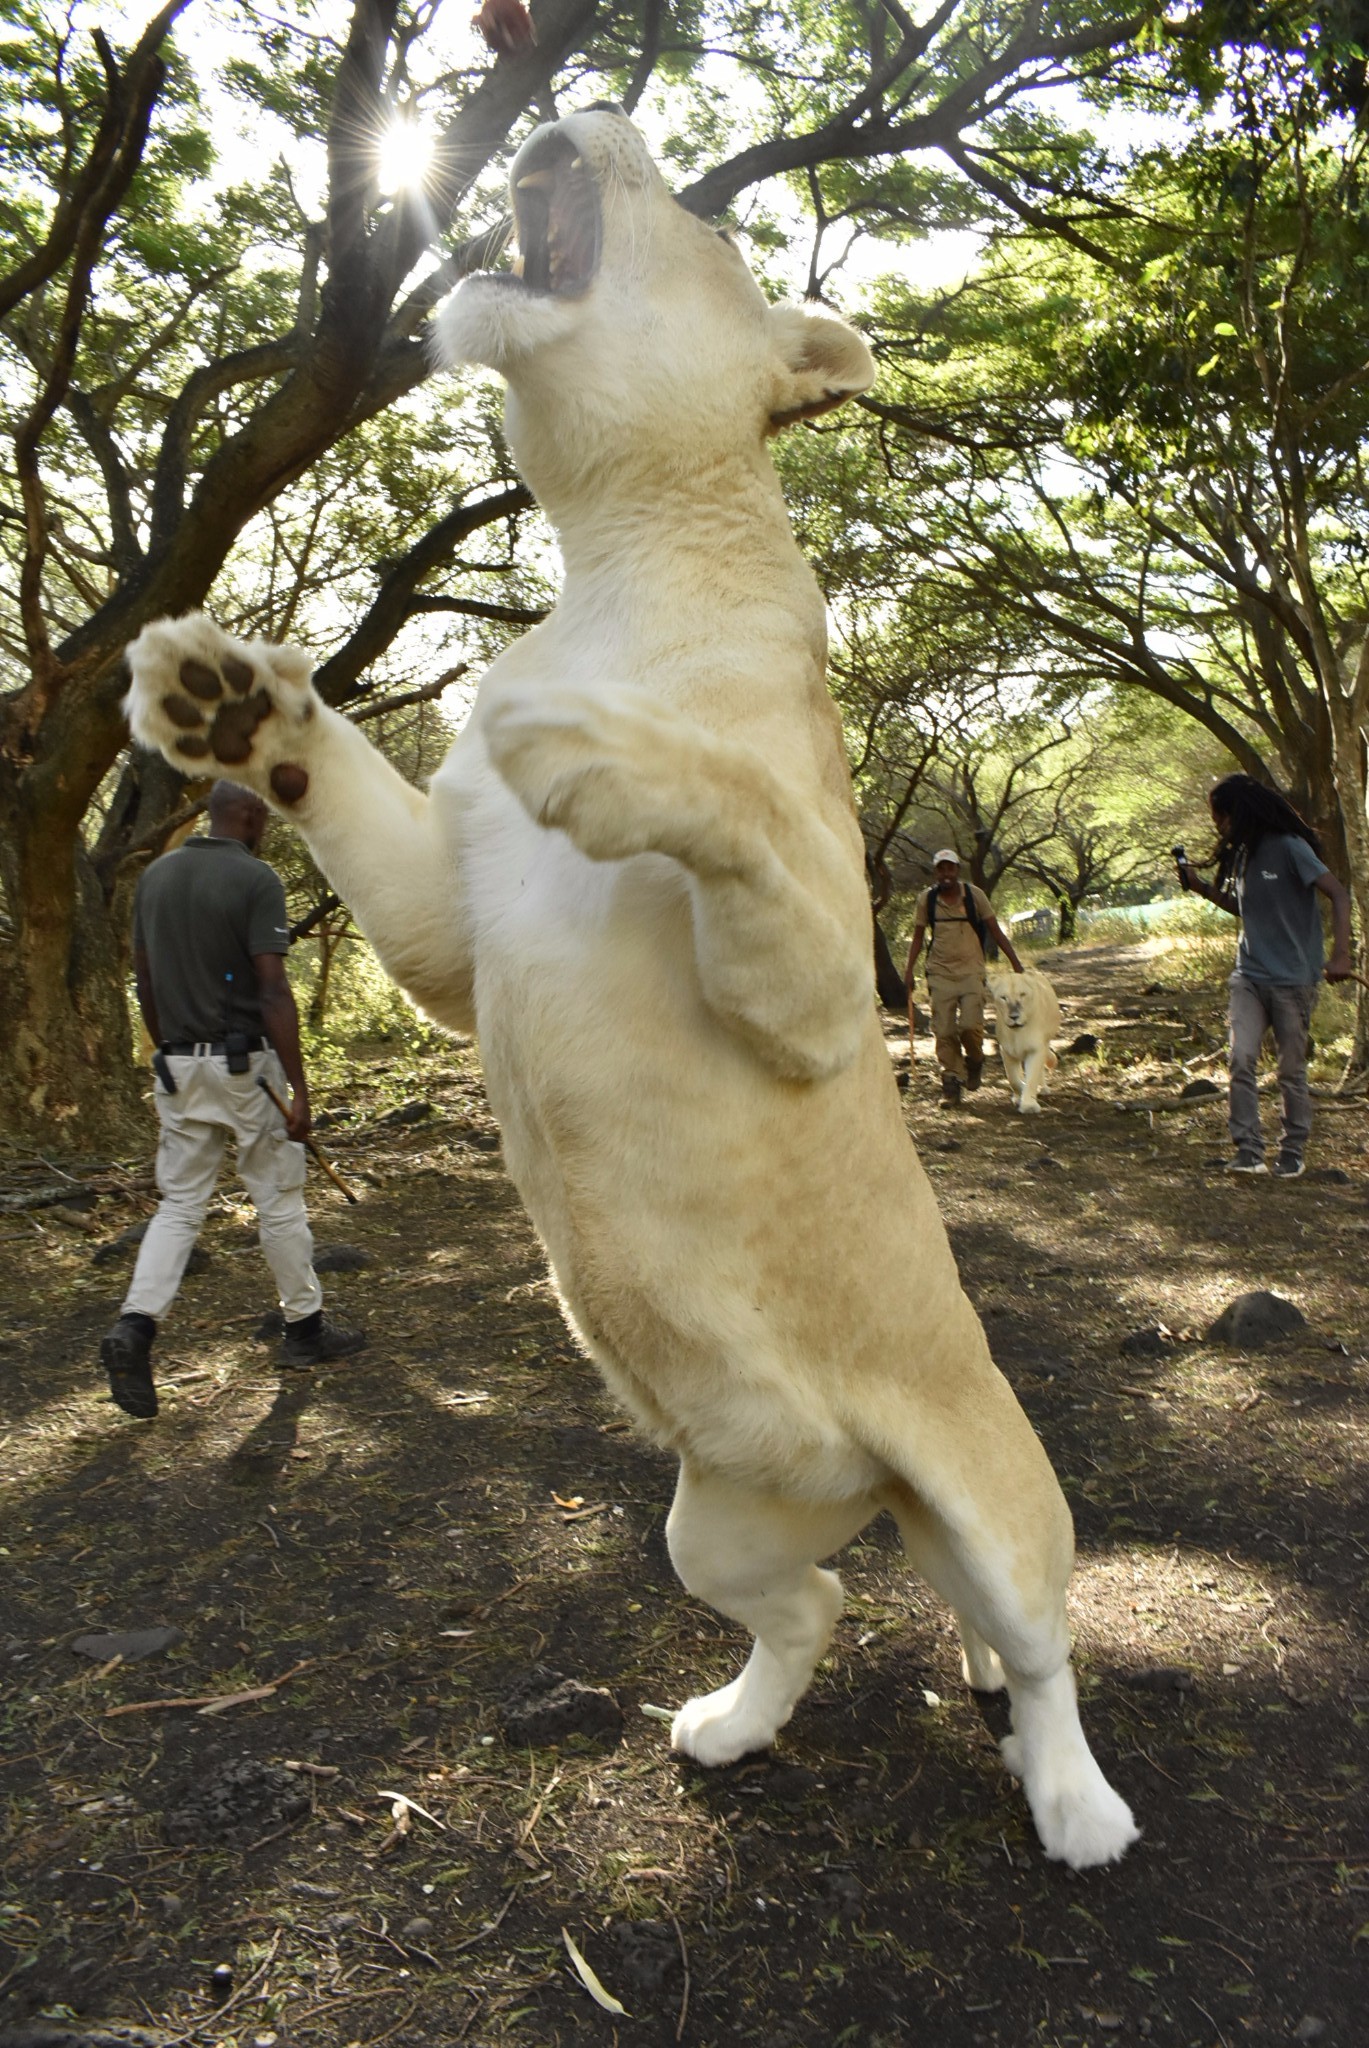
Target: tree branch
point(337, 680)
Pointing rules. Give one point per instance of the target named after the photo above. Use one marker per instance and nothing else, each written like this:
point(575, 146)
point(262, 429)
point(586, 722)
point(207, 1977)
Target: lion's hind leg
point(753, 1556)
point(1000, 1556)
point(1080, 1819)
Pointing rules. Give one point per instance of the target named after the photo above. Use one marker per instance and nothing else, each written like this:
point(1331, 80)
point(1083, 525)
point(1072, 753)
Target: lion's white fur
point(639, 876)
point(1026, 1018)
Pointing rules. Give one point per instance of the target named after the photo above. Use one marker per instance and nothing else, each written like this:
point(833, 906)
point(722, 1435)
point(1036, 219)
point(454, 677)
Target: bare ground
point(330, 1790)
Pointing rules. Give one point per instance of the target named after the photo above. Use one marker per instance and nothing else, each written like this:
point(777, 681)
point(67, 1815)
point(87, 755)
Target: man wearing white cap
point(955, 918)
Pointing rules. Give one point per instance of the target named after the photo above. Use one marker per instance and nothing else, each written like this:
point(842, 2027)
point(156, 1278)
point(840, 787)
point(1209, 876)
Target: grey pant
point(210, 1106)
point(1286, 1010)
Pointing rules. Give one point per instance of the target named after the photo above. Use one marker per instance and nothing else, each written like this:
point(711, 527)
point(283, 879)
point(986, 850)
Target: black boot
point(313, 1340)
point(950, 1090)
point(126, 1355)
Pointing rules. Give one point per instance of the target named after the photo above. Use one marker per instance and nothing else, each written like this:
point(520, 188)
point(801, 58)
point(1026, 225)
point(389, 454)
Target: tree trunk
point(1350, 789)
point(1069, 921)
point(328, 942)
point(67, 1083)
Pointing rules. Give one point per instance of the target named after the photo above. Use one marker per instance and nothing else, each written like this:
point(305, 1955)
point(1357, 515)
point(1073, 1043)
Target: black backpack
point(976, 922)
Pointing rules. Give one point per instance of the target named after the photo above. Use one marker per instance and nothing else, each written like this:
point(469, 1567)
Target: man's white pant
point(209, 1106)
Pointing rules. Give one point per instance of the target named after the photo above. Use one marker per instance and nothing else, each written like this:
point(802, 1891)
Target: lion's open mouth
point(557, 219)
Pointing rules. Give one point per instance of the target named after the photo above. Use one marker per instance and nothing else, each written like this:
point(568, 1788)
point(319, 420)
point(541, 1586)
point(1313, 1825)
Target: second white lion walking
point(1027, 1017)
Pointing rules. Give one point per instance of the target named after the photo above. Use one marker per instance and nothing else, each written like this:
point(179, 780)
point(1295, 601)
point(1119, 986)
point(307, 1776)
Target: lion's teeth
point(577, 163)
point(537, 181)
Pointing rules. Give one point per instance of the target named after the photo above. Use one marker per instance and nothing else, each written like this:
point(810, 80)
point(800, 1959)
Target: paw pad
point(231, 732)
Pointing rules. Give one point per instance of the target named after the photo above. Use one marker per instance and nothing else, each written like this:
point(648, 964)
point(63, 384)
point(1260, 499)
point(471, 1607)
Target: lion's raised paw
point(594, 765)
point(201, 698)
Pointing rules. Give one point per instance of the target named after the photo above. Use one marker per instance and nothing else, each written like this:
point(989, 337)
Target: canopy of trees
point(1126, 455)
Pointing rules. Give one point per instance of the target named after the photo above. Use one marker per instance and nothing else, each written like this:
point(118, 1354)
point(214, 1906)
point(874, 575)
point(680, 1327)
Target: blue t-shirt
point(1281, 938)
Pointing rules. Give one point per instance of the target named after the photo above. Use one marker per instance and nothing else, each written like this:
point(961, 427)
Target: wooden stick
point(334, 1177)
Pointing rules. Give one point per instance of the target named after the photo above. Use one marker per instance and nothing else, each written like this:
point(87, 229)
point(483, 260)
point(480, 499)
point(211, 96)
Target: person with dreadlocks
point(1269, 874)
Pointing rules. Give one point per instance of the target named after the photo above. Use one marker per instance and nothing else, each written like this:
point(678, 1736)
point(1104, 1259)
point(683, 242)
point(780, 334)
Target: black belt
point(181, 1048)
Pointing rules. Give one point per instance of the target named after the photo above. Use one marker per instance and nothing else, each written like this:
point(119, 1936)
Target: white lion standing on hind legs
point(638, 877)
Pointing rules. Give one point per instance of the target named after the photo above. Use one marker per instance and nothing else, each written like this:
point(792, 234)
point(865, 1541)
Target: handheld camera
point(1181, 863)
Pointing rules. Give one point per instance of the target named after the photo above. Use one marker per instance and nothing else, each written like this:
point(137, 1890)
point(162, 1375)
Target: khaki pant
point(210, 1106)
point(958, 1021)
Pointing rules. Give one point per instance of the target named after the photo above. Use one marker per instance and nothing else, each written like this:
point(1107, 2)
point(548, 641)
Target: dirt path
point(393, 1544)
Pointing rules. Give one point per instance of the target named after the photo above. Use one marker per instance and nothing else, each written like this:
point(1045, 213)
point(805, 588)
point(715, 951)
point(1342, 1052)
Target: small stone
point(343, 1258)
point(130, 1645)
point(1161, 1678)
point(238, 1803)
point(844, 1892)
point(1085, 1042)
point(1147, 1343)
point(1253, 1320)
point(221, 1982)
point(1197, 1088)
point(647, 1956)
point(544, 1708)
point(418, 1929)
point(121, 1247)
point(1330, 1177)
point(1045, 1164)
point(1309, 2028)
point(415, 1112)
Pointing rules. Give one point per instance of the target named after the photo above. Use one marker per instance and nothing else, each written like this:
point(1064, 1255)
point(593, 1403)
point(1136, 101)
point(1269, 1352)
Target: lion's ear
point(822, 362)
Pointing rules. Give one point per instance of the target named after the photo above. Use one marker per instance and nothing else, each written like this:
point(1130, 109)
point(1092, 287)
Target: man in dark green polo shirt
point(210, 935)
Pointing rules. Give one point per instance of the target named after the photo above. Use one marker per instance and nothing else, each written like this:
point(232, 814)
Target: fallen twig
point(684, 1965)
point(479, 1613)
point(213, 1702)
point(490, 1927)
point(212, 2019)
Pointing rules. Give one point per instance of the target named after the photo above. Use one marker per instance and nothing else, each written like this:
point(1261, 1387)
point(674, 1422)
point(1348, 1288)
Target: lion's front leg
point(247, 710)
point(780, 921)
point(1033, 1074)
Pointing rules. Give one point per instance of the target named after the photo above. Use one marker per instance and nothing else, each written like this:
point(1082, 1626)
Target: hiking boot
point(126, 1355)
point(1246, 1162)
point(950, 1090)
point(974, 1074)
point(1288, 1166)
point(311, 1343)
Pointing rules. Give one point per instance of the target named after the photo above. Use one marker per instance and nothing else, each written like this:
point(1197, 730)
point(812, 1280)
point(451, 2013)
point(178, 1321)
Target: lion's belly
point(730, 1245)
